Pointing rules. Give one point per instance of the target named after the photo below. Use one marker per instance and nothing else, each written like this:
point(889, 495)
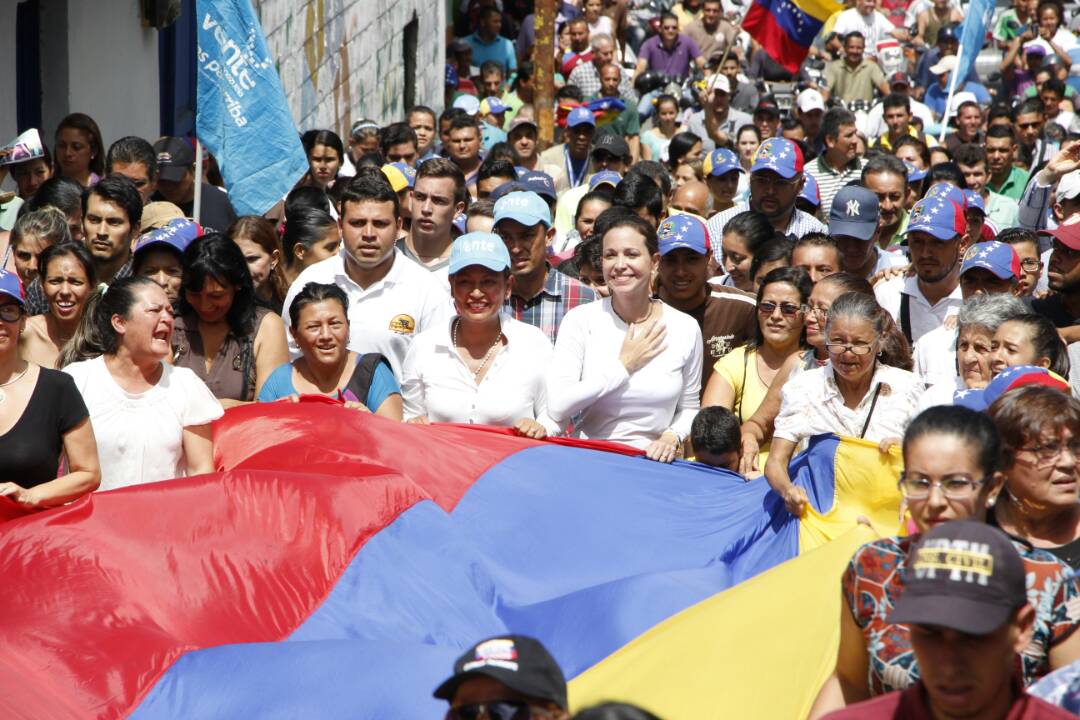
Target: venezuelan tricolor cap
point(400, 175)
point(780, 155)
point(810, 192)
point(720, 162)
point(176, 234)
point(1009, 379)
point(914, 173)
point(944, 189)
point(683, 231)
point(963, 575)
point(11, 286)
point(492, 106)
point(939, 217)
point(517, 661)
point(974, 201)
point(997, 257)
point(479, 248)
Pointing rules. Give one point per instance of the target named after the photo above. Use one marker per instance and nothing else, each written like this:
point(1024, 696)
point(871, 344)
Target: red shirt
point(911, 704)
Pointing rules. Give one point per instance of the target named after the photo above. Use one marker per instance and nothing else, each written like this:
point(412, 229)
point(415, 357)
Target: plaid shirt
point(587, 78)
point(547, 309)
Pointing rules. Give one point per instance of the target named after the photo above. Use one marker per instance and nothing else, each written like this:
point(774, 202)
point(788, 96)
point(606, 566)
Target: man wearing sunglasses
point(508, 677)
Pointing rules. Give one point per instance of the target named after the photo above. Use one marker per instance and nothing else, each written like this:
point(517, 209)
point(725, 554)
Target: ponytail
point(95, 334)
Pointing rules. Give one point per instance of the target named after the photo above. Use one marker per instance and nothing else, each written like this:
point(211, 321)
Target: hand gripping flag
point(337, 564)
point(242, 115)
point(786, 28)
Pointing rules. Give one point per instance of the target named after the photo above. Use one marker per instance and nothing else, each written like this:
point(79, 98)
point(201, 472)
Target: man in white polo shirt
point(391, 298)
point(935, 233)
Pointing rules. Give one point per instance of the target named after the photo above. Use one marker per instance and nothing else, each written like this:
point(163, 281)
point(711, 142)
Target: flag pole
point(197, 207)
point(952, 89)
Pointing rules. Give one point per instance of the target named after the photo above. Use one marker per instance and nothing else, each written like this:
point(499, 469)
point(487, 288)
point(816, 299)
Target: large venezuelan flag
point(339, 562)
point(786, 28)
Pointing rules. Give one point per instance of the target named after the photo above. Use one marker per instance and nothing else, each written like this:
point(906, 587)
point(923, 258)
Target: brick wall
point(342, 60)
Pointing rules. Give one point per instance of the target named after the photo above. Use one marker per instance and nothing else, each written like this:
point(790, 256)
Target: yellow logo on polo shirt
point(403, 324)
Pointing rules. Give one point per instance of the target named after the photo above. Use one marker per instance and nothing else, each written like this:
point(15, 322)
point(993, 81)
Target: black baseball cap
point(174, 156)
point(612, 143)
point(963, 575)
point(519, 662)
point(767, 104)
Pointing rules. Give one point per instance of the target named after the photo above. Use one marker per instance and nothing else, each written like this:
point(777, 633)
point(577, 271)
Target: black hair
point(794, 276)
point(132, 149)
point(679, 146)
point(1046, 341)
point(616, 217)
point(569, 92)
point(1054, 85)
point(373, 159)
point(1001, 131)
point(834, 119)
point(790, 123)
point(371, 187)
point(496, 167)
point(76, 250)
point(216, 256)
point(665, 98)
point(95, 335)
point(970, 154)
point(306, 196)
point(1029, 106)
point(315, 292)
point(976, 429)
point(1017, 235)
point(589, 197)
point(329, 138)
point(118, 190)
point(62, 193)
point(946, 172)
point(396, 134)
point(895, 100)
point(449, 114)
point(999, 110)
point(501, 151)
point(655, 171)
point(484, 207)
point(589, 252)
point(636, 191)
point(884, 164)
point(753, 227)
point(464, 121)
point(778, 248)
point(422, 109)
point(490, 66)
point(525, 71)
point(817, 239)
point(715, 430)
point(854, 34)
point(304, 226)
point(919, 145)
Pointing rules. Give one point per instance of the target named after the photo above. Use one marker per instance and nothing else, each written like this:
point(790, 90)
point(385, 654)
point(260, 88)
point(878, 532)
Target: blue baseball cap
point(810, 192)
point(684, 231)
point(479, 248)
point(527, 208)
point(1009, 379)
point(459, 222)
point(176, 234)
point(974, 201)
point(914, 173)
point(580, 115)
point(490, 135)
point(997, 257)
point(11, 286)
point(720, 162)
point(539, 183)
point(604, 177)
point(779, 155)
point(506, 188)
point(451, 76)
point(854, 213)
point(939, 217)
point(492, 106)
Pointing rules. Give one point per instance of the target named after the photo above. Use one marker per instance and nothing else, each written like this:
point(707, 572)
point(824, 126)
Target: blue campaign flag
point(972, 37)
point(242, 116)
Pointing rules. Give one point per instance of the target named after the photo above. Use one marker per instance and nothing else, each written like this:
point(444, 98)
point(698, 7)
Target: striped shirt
point(547, 309)
point(830, 181)
point(801, 223)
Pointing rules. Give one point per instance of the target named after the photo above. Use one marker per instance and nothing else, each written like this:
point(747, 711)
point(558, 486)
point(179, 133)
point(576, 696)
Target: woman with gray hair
point(980, 317)
point(854, 394)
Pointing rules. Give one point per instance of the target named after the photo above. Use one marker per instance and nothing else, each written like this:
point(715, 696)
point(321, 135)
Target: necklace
point(487, 358)
point(636, 322)
point(17, 378)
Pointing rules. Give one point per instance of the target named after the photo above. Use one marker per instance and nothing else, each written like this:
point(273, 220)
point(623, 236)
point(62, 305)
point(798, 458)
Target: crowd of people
point(690, 269)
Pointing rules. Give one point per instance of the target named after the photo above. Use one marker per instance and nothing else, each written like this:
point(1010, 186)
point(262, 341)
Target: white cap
point(959, 99)
point(1068, 186)
point(810, 99)
point(468, 103)
point(718, 81)
point(944, 65)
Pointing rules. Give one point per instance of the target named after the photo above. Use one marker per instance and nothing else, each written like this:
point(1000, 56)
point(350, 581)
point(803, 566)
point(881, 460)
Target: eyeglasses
point(954, 487)
point(1030, 264)
point(498, 710)
point(767, 308)
point(772, 182)
point(856, 349)
point(11, 312)
point(821, 312)
point(1050, 450)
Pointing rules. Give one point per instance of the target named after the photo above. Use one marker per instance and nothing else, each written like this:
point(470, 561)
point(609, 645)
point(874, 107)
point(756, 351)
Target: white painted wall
point(8, 115)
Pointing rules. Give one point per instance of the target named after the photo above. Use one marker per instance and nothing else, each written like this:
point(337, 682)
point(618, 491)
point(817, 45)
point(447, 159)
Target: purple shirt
point(674, 62)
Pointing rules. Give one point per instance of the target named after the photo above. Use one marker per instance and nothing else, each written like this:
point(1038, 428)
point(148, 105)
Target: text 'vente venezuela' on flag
point(786, 28)
point(337, 564)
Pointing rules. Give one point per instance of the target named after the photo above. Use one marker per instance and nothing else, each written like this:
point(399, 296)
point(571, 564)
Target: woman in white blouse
point(151, 420)
point(629, 366)
point(484, 367)
point(854, 394)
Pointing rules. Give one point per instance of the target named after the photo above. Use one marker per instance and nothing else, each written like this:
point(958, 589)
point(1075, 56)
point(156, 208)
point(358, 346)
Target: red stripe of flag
point(781, 47)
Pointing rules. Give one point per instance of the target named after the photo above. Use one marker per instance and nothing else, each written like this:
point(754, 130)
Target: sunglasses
point(498, 710)
point(11, 313)
point(786, 309)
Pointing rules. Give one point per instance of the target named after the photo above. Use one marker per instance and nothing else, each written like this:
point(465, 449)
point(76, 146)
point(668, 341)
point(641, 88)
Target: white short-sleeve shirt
point(924, 316)
point(436, 382)
point(385, 316)
point(811, 404)
point(140, 435)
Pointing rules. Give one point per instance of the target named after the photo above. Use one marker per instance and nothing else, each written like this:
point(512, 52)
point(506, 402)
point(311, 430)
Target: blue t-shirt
point(500, 50)
point(936, 96)
point(383, 385)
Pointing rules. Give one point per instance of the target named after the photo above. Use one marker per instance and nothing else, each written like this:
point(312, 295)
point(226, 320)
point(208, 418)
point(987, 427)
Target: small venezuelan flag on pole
point(786, 28)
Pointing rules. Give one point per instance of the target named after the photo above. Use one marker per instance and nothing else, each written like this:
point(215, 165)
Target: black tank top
point(30, 451)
